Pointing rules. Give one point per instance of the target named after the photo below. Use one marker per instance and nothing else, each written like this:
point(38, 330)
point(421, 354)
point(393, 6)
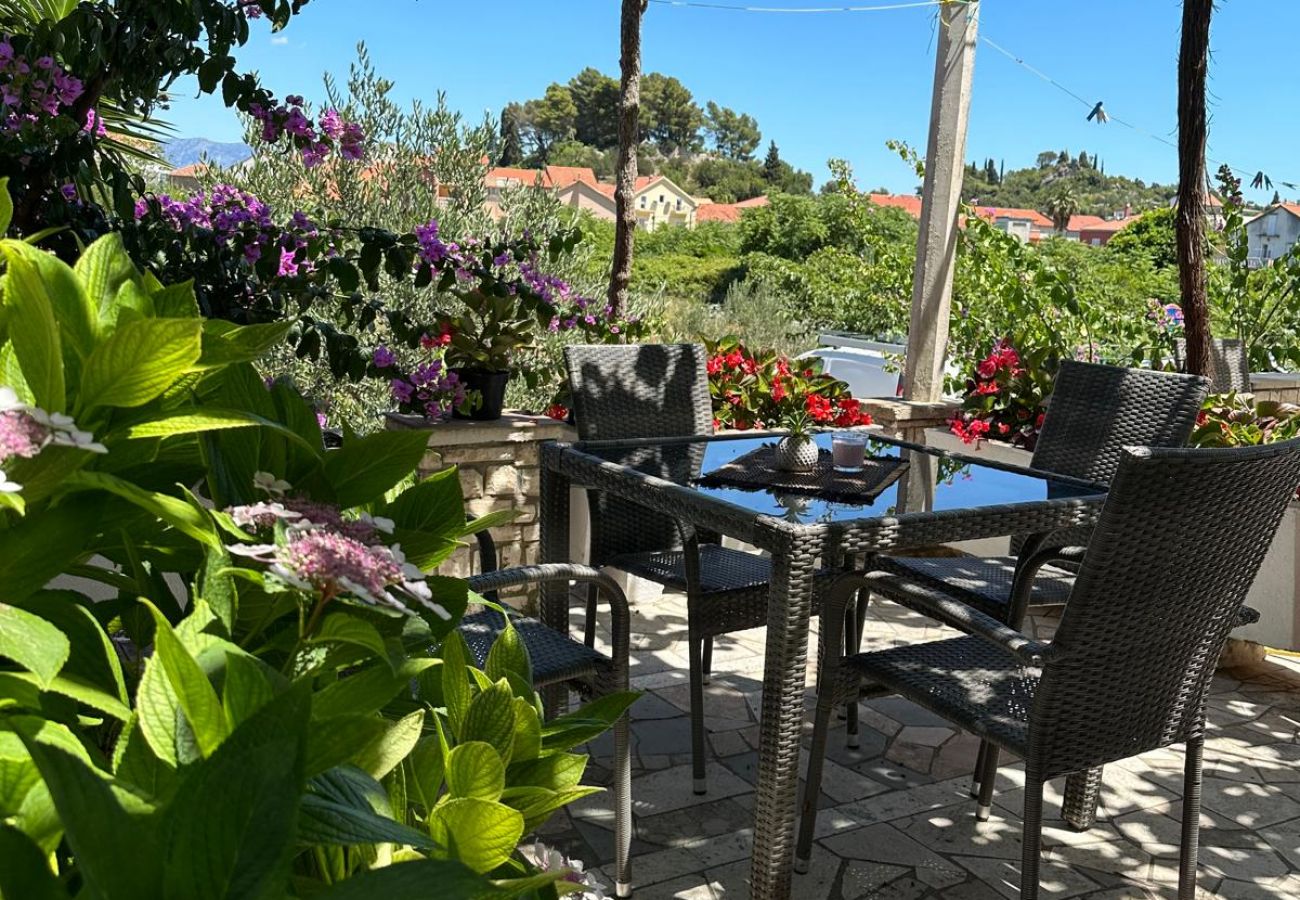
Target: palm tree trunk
point(629, 108)
point(1193, 63)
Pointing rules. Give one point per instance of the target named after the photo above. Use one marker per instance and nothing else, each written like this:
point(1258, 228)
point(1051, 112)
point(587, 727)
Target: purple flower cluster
point(32, 90)
point(429, 389)
point(250, 8)
point(238, 218)
point(432, 248)
point(315, 141)
point(327, 554)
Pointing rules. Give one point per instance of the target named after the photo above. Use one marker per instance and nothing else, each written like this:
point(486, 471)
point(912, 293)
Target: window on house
point(643, 202)
point(661, 198)
point(679, 204)
point(1270, 225)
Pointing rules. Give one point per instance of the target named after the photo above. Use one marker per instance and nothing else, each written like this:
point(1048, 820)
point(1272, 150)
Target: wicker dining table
point(941, 497)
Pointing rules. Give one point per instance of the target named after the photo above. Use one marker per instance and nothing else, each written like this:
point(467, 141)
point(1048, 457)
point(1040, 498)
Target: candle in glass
point(848, 451)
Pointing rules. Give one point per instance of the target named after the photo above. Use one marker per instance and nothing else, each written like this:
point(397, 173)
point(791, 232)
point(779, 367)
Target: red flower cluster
point(445, 331)
point(763, 389)
point(1004, 399)
point(558, 411)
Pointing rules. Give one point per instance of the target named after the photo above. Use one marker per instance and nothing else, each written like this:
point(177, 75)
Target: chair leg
point(852, 641)
point(978, 776)
point(812, 786)
point(695, 651)
point(622, 808)
point(988, 775)
point(853, 631)
point(1082, 796)
point(1033, 835)
point(589, 626)
point(706, 661)
point(1191, 819)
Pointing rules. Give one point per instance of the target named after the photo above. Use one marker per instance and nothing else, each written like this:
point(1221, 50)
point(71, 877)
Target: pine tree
point(1084, 163)
point(990, 172)
point(772, 165)
point(1277, 198)
point(512, 149)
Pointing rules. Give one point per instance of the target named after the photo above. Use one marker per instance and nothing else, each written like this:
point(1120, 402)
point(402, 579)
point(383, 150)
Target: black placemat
point(757, 470)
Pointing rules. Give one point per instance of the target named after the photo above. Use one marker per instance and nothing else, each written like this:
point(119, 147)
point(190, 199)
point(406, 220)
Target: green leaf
point(135, 764)
point(225, 343)
point(195, 693)
point(426, 766)
point(509, 656)
point(364, 468)
point(34, 271)
point(480, 833)
point(176, 301)
point(343, 628)
point(413, 881)
point(101, 831)
point(34, 331)
point(82, 692)
point(6, 206)
point(246, 688)
point(368, 690)
point(475, 769)
point(224, 843)
point(93, 660)
point(341, 739)
point(592, 720)
point(399, 738)
point(434, 505)
point(555, 771)
point(33, 643)
point(26, 873)
point(139, 361)
point(181, 515)
point(527, 742)
point(103, 268)
point(491, 717)
point(456, 689)
point(346, 807)
point(216, 586)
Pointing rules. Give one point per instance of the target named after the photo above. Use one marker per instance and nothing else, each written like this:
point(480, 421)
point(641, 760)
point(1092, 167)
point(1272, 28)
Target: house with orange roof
point(1273, 233)
point(909, 205)
point(187, 178)
point(657, 200)
point(1099, 233)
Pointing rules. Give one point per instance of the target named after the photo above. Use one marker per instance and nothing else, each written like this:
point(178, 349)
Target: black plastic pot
point(491, 389)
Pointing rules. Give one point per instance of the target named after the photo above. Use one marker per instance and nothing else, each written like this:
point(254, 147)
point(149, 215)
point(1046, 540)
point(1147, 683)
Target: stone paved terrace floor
point(895, 819)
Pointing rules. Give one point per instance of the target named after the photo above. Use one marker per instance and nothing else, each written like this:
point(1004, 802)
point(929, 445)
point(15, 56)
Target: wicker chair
point(624, 392)
point(1229, 364)
point(558, 660)
point(1179, 543)
point(1094, 412)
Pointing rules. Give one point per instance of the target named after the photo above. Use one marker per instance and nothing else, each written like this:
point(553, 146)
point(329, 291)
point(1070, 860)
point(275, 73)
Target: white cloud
point(280, 40)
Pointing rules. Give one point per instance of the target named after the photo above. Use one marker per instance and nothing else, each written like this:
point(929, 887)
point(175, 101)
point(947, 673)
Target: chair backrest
point(1178, 544)
point(628, 391)
point(1096, 411)
point(1229, 364)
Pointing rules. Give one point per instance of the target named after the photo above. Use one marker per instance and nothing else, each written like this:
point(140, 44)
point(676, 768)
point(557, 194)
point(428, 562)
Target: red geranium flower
point(818, 407)
point(558, 411)
point(987, 368)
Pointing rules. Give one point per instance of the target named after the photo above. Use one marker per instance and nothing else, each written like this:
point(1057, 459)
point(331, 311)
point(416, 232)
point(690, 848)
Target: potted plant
point(795, 451)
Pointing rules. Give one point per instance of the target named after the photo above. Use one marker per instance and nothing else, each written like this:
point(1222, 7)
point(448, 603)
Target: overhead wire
point(1018, 60)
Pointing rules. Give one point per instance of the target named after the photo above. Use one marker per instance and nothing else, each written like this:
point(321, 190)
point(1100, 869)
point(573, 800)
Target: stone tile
point(1249, 805)
point(732, 880)
point(688, 887)
point(1055, 880)
point(1159, 830)
point(683, 826)
point(663, 735)
point(905, 888)
point(1116, 857)
point(884, 843)
point(1285, 839)
point(862, 879)
point(728, 743)
point(955, 831)
point(905, 712)
point(652, 706)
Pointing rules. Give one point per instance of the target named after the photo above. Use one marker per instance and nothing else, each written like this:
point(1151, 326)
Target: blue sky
point(828, 85)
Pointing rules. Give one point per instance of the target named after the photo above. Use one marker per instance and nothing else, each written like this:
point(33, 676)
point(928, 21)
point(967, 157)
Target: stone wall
point(498, 467)
point(1283, 387)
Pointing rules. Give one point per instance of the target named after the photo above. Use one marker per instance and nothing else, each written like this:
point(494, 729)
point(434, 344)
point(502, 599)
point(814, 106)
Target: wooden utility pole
point(1193, 65)
point(629, 108)
point(936, 245)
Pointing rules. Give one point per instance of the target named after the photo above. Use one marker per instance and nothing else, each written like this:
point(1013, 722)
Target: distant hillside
point(1097, 193)
point(187, 151)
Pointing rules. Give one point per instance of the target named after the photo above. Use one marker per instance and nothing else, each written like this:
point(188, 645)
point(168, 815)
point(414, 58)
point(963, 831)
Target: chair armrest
point(951, 612)
point(620, 617)
point(1022, 586)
